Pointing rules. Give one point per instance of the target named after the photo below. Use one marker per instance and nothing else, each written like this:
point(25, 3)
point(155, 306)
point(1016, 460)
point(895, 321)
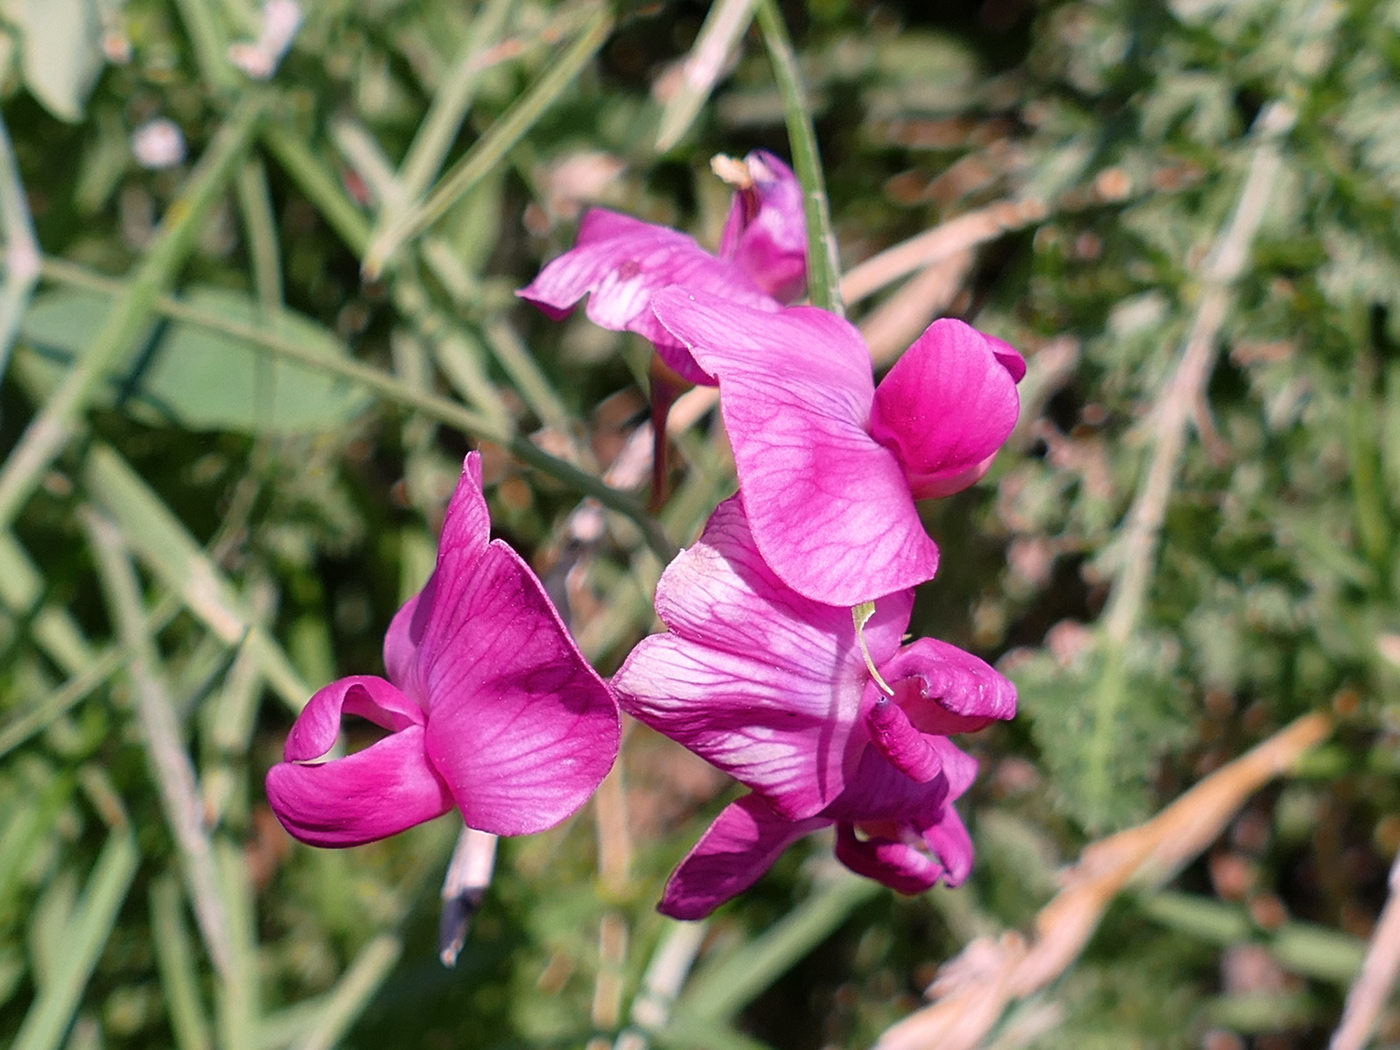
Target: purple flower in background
point(619, 262)
point(489, 705)
point(830, 466)
point(775, 690)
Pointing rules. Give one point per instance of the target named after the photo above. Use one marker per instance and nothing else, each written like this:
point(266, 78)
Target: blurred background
point(228, 452)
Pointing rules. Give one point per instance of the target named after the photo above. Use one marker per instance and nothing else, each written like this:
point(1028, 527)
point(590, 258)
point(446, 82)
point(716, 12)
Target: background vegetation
point(227, 455)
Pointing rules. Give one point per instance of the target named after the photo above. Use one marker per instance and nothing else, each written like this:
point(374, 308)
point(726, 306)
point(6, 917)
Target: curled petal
point(899, 866)
point(372, 794)
point(880, 792)
point(1009, 356)
point(949, 840)
point(945, 690)
point(766, 232)
point(318, 725)
point(739, 847)
point(620, 262)
point(519, 725)
point(946, 407)
point(753, 677)
point(903, 746)
point(829, 507)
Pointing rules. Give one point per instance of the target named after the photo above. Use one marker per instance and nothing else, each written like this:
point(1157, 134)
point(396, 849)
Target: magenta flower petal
point(899, 866)
point(880, 792)
point(901, 745)
point(519, 725)
point(829, 506)
point(401, 648)
point(492, 707)
point(949, 841)
point(315, 731)
point(945, 690)
point(766, 233)
point(1009, 356)
point(756, 679)
point(380, 791)
point(620, 262)
point(739, 847)
point(946, 407)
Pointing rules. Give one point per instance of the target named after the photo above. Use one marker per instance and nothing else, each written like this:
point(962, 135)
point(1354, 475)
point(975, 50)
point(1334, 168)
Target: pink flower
point(830, 466)
point(489, 705)
point(774, 689)
point(619, 262)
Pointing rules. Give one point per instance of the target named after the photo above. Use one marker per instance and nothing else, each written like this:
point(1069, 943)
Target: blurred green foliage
point(1170, 563)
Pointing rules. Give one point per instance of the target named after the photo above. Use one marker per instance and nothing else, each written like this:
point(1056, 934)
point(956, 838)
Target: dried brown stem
point(973, 989)
point(1377, 977)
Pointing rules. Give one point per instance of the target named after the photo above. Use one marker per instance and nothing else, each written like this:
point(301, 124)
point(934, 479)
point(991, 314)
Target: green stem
point(52, 1010)
point(320, 186)
point(823, 268)
point(438, 408)
point(523, 114)
point(51, 430)
point(452, 100)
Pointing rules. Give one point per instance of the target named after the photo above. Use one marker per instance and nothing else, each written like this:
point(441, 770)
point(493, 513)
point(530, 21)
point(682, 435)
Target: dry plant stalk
point(1373, 984)
point(972, 989)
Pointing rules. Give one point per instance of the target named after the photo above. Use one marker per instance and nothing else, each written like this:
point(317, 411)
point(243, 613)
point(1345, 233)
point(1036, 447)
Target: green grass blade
point(720, 993)
point(178, 972)
point(523, 114)
point(52, 1012)
point(823, 264)
point(50, 431)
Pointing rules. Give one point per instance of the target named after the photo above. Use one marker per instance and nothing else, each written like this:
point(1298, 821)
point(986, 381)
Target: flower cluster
point(782, 661)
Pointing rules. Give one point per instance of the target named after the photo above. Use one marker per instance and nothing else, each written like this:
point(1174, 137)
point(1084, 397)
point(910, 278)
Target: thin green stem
point(320, 186)
point(255, 203)
point(21, 249)
point(51, 430)
point(438, 408)
point(453, 100)
point(209, 42)
point(179, 977)
point(82, 684)
point(52, 1011)
point(823, 267)
point(488, 150)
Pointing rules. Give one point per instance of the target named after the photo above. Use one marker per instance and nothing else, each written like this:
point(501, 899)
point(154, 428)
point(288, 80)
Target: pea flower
point(489, 705)
point(825, 722)
point(620, 262)
point(830, 466)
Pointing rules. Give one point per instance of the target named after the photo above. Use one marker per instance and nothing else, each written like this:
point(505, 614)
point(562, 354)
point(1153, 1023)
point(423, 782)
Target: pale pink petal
point(759, 681)
point(739, 847)
point(318, 726)
point(901, 867)
point(830, 508)
point(946, 407)
point(519, 725)
point(620, 262)
point(945, 690)
point(766, 233)
point(374, 793)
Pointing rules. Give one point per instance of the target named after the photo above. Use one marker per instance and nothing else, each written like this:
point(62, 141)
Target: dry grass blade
point(1373, 985)
point(942, 242)
point(973, 989)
